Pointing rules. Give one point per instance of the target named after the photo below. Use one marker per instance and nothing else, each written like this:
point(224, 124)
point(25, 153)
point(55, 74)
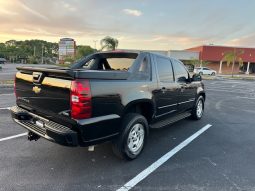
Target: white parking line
point(13, 137)
point(246, 97)
point(146, 172)
point(220, 90)
point(6, 94)
point(5, 108)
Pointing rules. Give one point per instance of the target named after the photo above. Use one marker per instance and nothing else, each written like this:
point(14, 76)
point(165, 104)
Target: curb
point(6, 85)
point(229, 78)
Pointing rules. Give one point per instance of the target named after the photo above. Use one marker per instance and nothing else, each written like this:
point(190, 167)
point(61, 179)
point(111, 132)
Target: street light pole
point(95, 42)
point(42, 53)
point(34, 51)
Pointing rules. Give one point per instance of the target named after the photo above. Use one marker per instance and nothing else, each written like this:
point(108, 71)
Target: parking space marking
point(246, 97)
point(146, 172)
point(6, 94)
point(220, 90)
point(5, 108)
point(13, 137)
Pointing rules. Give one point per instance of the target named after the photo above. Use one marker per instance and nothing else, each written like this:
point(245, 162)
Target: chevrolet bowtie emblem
point(36, 89)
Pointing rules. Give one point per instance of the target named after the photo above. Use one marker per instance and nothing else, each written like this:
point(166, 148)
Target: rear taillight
point(80, 99)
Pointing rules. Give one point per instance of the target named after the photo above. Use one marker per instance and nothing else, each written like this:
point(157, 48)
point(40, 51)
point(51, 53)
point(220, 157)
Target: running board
point(170, 120)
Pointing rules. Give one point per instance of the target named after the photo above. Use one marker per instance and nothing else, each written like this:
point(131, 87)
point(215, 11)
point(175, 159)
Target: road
point(8, 70)
point(221, 158)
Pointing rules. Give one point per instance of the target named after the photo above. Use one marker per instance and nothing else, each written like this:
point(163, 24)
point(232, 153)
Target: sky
point(137, 24)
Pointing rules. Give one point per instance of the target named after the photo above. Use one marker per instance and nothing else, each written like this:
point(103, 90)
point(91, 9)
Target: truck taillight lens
point(80, 99)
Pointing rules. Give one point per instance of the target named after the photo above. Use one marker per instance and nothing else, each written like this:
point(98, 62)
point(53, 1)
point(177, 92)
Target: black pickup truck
point(107, 96)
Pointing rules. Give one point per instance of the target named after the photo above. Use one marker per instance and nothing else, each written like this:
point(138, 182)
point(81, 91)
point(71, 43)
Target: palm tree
point(233, 56)
point(109, 43)
point(203, 63)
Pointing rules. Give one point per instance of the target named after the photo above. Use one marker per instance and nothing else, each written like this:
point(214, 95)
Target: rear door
point(187, 91)
point(167, 92)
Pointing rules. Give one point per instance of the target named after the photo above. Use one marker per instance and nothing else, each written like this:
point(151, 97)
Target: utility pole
point(95, 42)
point(42, 53)
point(34, 51)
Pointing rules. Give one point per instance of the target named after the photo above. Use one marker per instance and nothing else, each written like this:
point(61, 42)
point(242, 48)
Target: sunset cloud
point(132, 12)
point(33, 12)
point(143, 24)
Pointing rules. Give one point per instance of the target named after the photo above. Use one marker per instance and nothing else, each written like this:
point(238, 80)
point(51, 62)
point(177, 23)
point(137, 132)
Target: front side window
point(180, 71)
point(165, 71)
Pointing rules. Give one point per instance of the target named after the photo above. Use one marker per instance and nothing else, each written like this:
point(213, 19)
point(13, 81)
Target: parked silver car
point(204, 71)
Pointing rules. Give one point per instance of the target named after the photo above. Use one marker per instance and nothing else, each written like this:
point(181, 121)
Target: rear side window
point(89, 63)
point(180, 71)
point(120, 63)
point(165, 70)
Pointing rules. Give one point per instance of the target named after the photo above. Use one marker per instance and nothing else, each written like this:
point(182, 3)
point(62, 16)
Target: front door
point(167, 91)
point(187, 91)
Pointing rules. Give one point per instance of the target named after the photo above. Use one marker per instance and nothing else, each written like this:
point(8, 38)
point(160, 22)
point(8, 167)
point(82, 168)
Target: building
point(67, 47)
point(214, 55)
point(184, 55)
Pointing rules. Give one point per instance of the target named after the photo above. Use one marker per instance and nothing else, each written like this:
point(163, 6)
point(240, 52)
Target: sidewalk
point(238, 76)
point(6, 83)
point(235, 77)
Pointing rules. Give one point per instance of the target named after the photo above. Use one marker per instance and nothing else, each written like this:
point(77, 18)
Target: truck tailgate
point(44, 94)
point(46, 91)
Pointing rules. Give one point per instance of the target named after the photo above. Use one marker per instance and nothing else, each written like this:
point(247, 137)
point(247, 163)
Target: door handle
point(163, 89)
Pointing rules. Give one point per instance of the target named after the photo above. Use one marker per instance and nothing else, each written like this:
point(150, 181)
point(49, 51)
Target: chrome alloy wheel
point(199, 108)
point(136, 138)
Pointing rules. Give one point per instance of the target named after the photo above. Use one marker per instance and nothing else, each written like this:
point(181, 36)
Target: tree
point(233, 56)
point(203, 63)
point(109, 43)
point(29, 50)
point(32, 60)
point(193, 63)
point(83, 51)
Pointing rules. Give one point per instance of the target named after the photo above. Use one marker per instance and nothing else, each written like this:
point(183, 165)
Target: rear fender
point(132, 105)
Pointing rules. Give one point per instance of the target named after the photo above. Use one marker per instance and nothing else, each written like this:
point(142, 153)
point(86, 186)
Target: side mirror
point(196, 78)
point(182, 79)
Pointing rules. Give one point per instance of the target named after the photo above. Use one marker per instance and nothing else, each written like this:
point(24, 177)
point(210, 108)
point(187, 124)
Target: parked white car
point(205, 71)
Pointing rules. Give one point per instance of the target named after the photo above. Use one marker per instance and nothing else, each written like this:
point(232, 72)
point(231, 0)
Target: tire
point(200, 73)
point(131, 141)
point(213, 74)
point(198, 110)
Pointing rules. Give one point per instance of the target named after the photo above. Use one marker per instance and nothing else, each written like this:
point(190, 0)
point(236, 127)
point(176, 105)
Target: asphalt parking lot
point(221, 158)
point(8, 70)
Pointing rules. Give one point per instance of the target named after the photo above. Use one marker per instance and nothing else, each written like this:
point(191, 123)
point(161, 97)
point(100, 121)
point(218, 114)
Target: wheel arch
point(200, 91)
point(144, 107)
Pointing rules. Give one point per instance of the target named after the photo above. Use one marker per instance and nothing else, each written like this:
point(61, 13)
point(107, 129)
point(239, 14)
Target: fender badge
point(36, 89)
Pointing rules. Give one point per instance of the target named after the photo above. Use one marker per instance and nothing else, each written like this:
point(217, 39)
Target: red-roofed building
point(215, 54)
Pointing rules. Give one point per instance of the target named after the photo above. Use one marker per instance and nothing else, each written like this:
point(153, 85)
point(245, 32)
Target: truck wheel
point(132, 138)
point(213, 74)
point(198, 110)
point(200, 73)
